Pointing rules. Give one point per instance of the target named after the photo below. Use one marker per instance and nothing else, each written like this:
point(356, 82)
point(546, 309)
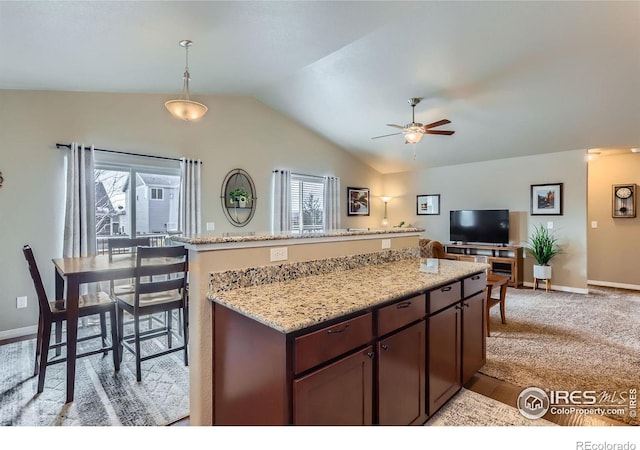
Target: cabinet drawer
point(322, 345)
point(474, 284)
point(401, 313)
point(446, 295)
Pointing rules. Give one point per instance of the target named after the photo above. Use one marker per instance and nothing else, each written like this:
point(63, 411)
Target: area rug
point(468, 408)
point(102, 396)
point(565, 341)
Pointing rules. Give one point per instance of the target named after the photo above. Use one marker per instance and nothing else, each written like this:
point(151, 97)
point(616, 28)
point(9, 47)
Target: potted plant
point(241, 196)
point(543, 246)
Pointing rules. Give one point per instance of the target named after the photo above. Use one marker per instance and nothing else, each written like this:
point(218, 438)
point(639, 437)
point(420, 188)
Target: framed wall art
point(357, 201)
point(546, 199)
point(428, 205)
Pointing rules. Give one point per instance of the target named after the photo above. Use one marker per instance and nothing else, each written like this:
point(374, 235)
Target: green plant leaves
point(543, 246)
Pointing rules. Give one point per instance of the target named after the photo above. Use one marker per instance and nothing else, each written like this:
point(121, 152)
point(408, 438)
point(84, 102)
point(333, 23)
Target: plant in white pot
point(239, 196)
point(543, 246)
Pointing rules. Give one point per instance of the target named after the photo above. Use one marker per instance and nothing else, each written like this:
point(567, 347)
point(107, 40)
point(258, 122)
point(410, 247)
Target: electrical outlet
point(594, 224)
point(21, 302)
point(211, 226)
point(386, 243)
point(279, 254)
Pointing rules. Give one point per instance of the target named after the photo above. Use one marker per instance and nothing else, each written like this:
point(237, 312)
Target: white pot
point(242, 203)
point(542, 272)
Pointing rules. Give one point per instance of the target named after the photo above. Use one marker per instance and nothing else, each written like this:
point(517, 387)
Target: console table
point(504, 260)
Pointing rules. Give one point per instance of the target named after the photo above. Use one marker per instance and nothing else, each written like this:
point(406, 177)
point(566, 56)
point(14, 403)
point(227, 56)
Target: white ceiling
point(514, 78)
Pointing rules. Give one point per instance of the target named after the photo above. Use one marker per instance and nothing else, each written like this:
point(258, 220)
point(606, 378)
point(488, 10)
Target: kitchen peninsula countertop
point(226, 238)
point(303, 302)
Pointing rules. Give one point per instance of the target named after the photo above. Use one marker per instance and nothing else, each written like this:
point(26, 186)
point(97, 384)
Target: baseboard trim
point(18, 332)
point(555, 287)
point(633, 287)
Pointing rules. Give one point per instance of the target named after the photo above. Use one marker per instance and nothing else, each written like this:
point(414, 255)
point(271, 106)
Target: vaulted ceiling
point(515, 78)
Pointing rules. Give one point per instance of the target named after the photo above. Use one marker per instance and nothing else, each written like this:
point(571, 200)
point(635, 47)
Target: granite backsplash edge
point(256, 276)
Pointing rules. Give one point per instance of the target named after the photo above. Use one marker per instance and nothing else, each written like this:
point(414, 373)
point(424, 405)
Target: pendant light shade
point(184, 108)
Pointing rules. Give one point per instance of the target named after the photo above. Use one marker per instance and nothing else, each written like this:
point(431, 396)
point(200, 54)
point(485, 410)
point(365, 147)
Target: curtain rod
point(124, 153)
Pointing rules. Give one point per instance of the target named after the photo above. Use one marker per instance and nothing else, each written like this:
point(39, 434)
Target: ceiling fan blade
point(447, 133)
point(385, 135)
point(395, 126)
point(436, 124)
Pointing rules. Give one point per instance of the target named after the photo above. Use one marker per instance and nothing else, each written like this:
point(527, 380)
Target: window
point(157, 193)
point(307, 203)
point(127, 197)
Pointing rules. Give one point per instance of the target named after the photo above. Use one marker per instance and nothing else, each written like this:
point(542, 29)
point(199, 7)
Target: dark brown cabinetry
point(402, 377)
point(393, 364)
point(338, 394)
point(473, 336)
point(456, 338)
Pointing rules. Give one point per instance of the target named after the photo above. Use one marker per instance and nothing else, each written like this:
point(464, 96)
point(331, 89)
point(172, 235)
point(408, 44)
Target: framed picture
point(357, 201)
point(428, 205)
point(546, 199)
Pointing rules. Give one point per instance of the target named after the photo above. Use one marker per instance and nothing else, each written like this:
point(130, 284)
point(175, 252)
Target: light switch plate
point(594, 224)
point(386, 243)
point(211, 226)
point(21, 302)
point(549, 225)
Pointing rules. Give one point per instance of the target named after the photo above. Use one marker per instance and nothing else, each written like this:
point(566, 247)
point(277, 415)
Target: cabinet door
point(473, 336)
point(444, 356)
point(402, 377)
point(339, 394)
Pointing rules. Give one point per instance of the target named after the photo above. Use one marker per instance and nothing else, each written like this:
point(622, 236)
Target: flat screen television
point(480, 226)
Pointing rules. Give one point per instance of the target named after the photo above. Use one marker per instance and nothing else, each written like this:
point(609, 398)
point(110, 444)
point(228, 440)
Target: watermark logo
point(533, 403)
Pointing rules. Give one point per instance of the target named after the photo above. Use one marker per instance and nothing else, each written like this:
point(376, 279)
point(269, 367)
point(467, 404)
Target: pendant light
point(184, 108)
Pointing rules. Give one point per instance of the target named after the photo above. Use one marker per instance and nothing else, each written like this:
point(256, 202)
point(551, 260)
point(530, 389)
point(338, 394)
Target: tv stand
point(504, 259)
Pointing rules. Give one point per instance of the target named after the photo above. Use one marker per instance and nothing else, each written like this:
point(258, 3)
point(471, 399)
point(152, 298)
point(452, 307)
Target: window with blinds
point(307, 203)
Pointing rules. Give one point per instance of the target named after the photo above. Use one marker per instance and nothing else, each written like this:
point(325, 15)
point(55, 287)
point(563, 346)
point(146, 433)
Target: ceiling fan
point(413, 131)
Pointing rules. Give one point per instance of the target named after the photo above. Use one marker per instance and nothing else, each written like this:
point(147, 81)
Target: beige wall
point(504, 184)
point(614, 246)
point(237, 132)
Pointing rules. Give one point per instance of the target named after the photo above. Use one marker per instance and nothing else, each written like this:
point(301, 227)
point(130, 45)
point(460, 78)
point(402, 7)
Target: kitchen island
point(360, 340)
point(215, 257)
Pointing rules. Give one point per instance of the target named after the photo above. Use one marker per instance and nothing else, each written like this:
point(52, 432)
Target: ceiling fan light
point(413, 137)
point(186, 109)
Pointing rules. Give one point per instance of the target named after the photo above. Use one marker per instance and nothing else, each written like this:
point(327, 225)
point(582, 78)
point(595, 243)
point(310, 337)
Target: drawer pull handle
point(403, 305)
point(458, 307)
point(446, 288)
point(465, 304)
point(477, 277)
point(338, 331)
point(371, 355)
point(384, 347)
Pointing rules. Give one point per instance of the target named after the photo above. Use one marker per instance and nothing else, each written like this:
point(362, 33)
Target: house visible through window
point(156, 193)
point(128, 201)
point(307, 203)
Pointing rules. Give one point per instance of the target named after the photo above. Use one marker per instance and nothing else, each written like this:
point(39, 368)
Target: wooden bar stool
point(501, 281)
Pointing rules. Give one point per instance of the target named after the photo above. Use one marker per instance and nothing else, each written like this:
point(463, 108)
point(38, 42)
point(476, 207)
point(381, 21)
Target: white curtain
point(190, 196)
point(80, 205)
point(331, 203)
point(281, 215)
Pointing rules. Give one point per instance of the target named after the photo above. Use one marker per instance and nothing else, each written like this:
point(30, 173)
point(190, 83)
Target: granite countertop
point(266, 236)
point(293, 305)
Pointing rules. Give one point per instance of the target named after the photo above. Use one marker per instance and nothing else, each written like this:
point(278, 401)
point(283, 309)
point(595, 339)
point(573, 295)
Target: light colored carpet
point(102, 396)
point(468, 408)
point(565, 341)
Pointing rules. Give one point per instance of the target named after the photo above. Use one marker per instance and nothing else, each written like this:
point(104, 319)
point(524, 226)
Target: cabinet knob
point(371, 355)
point(384, 347)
